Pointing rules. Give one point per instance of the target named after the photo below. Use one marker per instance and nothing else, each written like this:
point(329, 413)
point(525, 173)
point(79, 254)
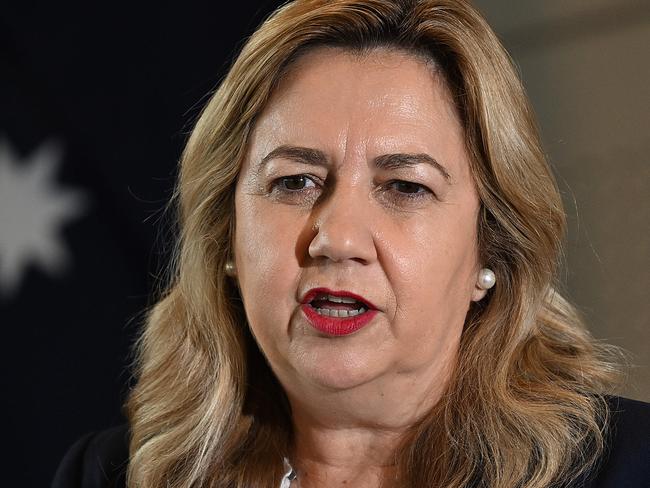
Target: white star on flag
point(33, 210)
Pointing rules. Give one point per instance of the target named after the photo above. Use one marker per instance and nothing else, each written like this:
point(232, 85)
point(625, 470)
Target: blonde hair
point(525, 406)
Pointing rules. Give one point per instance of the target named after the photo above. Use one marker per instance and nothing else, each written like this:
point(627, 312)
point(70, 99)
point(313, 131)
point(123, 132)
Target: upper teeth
point(339, 313)
point(334, 299)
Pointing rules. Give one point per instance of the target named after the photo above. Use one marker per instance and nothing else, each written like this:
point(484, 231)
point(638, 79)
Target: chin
point(338, 370)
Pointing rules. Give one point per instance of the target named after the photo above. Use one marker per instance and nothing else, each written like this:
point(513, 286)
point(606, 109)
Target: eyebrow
point(401, 160)
point(298, 154)
point(316, 157)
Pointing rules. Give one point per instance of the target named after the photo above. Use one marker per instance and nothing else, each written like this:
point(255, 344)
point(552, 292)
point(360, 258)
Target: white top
point(289, 476)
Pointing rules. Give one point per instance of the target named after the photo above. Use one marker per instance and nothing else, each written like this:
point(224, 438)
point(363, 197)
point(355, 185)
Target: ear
point(478, 293)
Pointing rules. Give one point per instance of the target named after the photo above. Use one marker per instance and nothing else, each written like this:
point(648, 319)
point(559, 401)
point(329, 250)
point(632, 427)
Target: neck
point(336, 457)
point(349, 437)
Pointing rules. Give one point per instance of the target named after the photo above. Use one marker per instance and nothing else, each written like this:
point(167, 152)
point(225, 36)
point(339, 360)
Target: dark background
point(116, 87)
point(96, 101)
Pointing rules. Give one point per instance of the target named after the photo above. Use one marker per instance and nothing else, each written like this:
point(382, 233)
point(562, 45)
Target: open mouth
point(337, 313)
point(340, 307)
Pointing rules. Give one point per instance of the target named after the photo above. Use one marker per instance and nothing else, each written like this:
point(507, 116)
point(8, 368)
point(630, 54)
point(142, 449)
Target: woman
point(364, 287)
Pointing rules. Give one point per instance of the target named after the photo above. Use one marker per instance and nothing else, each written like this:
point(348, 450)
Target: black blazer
point(100, 460)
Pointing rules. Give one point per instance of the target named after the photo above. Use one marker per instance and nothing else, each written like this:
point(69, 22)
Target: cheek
point(433, 278)
point(266, 266)
point(254, 256)
point(435, 257)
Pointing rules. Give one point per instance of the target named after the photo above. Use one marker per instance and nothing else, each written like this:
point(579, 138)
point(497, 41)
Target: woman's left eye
point(409, 189)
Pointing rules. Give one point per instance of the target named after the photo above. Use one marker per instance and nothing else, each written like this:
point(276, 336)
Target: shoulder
point(97, 460)
point(626, 461)
point(100, 460)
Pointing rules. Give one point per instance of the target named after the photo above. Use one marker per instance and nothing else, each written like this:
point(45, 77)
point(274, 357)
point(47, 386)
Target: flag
point(96, 102)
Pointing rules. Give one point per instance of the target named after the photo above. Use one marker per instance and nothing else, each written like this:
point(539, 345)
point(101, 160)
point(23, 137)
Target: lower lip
point(337, 326)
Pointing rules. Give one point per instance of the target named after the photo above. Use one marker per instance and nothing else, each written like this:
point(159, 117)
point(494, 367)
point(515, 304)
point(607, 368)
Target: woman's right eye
point(293, 183)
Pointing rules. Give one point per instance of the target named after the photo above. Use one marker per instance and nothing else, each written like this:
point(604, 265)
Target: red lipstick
point(337, 326)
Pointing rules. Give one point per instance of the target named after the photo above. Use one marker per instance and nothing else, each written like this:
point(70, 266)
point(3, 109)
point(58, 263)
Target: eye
point(408, 189)
point(402, 194)
point(293, 183)
point(300, 189)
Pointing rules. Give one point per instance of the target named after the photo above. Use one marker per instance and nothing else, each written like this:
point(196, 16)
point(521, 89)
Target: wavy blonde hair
point(525, 406)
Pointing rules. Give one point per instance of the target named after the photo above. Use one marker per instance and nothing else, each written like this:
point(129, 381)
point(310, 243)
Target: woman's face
point(357, 185)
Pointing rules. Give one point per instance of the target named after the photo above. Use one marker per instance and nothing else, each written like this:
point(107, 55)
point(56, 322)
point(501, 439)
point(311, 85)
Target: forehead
point(383, 100)
point(386, 74)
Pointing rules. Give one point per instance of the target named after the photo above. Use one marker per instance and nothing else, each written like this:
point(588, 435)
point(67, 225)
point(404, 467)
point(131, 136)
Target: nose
point(343, 228)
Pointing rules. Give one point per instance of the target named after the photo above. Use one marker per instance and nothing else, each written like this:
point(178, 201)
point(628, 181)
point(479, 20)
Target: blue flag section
point(96, 101)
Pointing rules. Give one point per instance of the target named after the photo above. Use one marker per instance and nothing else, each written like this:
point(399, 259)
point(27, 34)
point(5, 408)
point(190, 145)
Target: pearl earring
point(230, 269)
point(486, 279)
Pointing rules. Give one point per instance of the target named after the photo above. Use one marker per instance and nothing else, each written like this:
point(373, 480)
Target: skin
point(348, 225)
